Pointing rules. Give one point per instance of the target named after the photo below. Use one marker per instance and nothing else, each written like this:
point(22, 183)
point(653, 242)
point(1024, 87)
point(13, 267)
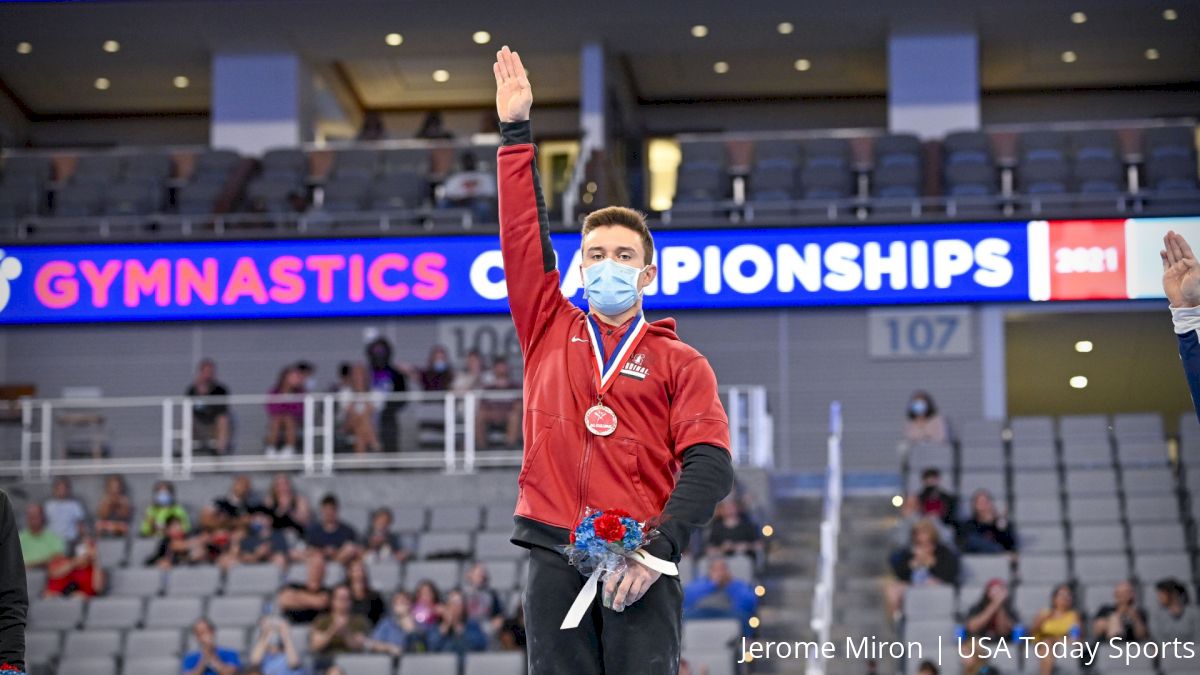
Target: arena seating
point(1094, 500)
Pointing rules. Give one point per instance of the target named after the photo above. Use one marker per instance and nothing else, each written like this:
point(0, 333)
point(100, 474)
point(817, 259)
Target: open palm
point(1181, 272)
point(514, 96)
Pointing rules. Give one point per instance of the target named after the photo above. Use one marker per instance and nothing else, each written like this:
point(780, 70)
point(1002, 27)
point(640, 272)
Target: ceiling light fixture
point(181, 82)
point(1079, 382)
point(785, 28)
point(102, 83)
point(720, 67)
point(1084, 346)
point(394, 39)
point(1069, 57)
point(1170, 15)
point(24, 48)
point(111, 46)
point(481, 37)
point(699, 30)
point(802, 65)
point(441, 75)
point(1078, 17)
point(1152, 54)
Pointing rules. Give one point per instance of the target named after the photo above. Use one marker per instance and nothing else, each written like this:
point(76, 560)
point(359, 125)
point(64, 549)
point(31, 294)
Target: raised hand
point(1181, 272)
point(514, 96)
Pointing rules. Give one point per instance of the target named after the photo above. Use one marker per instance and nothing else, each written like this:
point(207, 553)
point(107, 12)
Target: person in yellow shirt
point(1061, 620)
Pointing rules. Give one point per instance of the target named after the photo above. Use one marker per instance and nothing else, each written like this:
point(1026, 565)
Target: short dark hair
point(931, 472)
point(622, 217)
point(329, 499)
point(1174, 588)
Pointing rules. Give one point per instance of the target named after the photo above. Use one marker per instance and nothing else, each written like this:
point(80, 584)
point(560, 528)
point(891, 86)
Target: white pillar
point(260, 101)
point(933, 82)
point(592, 95)
point(992, 351)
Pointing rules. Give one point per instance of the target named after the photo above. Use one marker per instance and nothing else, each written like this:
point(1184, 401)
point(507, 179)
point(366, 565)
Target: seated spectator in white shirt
point(925, 424)
point(64, 513)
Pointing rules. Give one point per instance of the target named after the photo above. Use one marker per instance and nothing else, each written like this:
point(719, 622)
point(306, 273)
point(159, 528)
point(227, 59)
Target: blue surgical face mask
point(610, 287)
point(919, 407)
point(163, 498)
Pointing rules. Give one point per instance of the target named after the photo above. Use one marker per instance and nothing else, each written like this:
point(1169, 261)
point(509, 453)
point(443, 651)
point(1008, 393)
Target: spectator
point(471, 377)
point(927, 668)
point(426, 606)
point(14, 597)
point(991, 618)
point(364, 600)
point(437, 375)
point(483, 602)
point(289, 511)
point(457, 632)
point(301, 603)
point(339, 630)
point(397, 633)
point(234, 508)
point(386, 380)
point(925, 425)
point(65, 514)
point(329, 535)
point(719, 595)
point(176, 547)
point(1122, 619)
point(209, 659)
point(39, 544)
point(924, 562)
point(274, 653)
point(308, 375)
point(285, 415)
point(1057, 622)
point(359, 411)
point(432, 127)
point(512, 633)
point(499, 412)
point(114, 511)
point(732, 532)
point(1172, 618)
point(471, 188)
point(372, 127)
point(932, 501)
point(164, 508)
point(79, 576)
point(986, 531)
point(380, 542)
point(258, 542)
point(210, 419)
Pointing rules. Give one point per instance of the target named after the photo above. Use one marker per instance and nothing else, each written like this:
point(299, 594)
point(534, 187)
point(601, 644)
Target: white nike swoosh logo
point(576, 339)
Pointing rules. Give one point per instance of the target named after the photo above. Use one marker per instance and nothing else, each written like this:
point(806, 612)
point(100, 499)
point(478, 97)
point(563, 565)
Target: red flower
point(572, 536)
point(620, 513)
point(609, 527)
point(9, 668)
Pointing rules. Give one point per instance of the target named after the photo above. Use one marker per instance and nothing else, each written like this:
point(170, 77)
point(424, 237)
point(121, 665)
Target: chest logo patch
point(636, 367)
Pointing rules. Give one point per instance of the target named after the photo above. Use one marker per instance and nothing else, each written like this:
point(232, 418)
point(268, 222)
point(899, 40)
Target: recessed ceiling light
point(1069, 57)
point(441, 75)
point(181, 82)
point(753, 622)
point(1152, 54)
point(1079, 382)
point(1078, 17)
point(720, 67)
point(102, 83)
point(785, 28)
point(699, 30)
point(111, 46)
point(897, 501)
point(394, 39)
point(1170, 14)
point(1084, 346)
point(802, 65)
point(24, 48)
point(481, 37)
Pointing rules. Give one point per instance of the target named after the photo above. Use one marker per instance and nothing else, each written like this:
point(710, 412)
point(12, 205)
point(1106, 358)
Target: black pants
point(643, 639)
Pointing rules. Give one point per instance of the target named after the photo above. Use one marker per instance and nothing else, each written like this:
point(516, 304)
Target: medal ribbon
point(607, 366)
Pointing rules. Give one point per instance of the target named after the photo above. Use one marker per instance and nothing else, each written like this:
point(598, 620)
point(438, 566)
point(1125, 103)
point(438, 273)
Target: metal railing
point(440, 432)
point(831, 525)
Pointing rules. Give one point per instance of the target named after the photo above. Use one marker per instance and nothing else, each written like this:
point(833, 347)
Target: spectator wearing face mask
point(925, 424)
point(437, 375)
point(163, 509)
point(274, 653)
point(386, 379)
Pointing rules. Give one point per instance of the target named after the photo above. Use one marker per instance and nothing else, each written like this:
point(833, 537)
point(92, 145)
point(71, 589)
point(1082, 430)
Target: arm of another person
point(14, 597)
point(530, 264)
point(1181, 284)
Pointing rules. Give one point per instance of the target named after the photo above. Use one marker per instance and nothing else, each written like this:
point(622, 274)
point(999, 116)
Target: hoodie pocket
point(542, 433)
point(632, 454)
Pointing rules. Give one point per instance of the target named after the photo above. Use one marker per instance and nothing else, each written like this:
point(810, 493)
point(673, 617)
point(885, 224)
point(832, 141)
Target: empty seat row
point(485, 663)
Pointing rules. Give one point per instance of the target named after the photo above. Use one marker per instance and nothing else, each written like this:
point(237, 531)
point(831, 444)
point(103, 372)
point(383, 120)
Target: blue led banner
point(720, 269)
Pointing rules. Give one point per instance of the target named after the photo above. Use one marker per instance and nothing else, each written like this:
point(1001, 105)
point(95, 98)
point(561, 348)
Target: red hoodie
point(665, 405)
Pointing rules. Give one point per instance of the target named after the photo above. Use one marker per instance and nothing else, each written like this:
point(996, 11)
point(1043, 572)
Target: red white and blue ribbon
point(606, 366)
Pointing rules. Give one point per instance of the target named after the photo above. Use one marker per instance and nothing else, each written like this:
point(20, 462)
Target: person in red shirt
point(619, 414)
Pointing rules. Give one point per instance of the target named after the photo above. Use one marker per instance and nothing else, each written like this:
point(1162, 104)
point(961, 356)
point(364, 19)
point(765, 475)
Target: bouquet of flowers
point(601, 546)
